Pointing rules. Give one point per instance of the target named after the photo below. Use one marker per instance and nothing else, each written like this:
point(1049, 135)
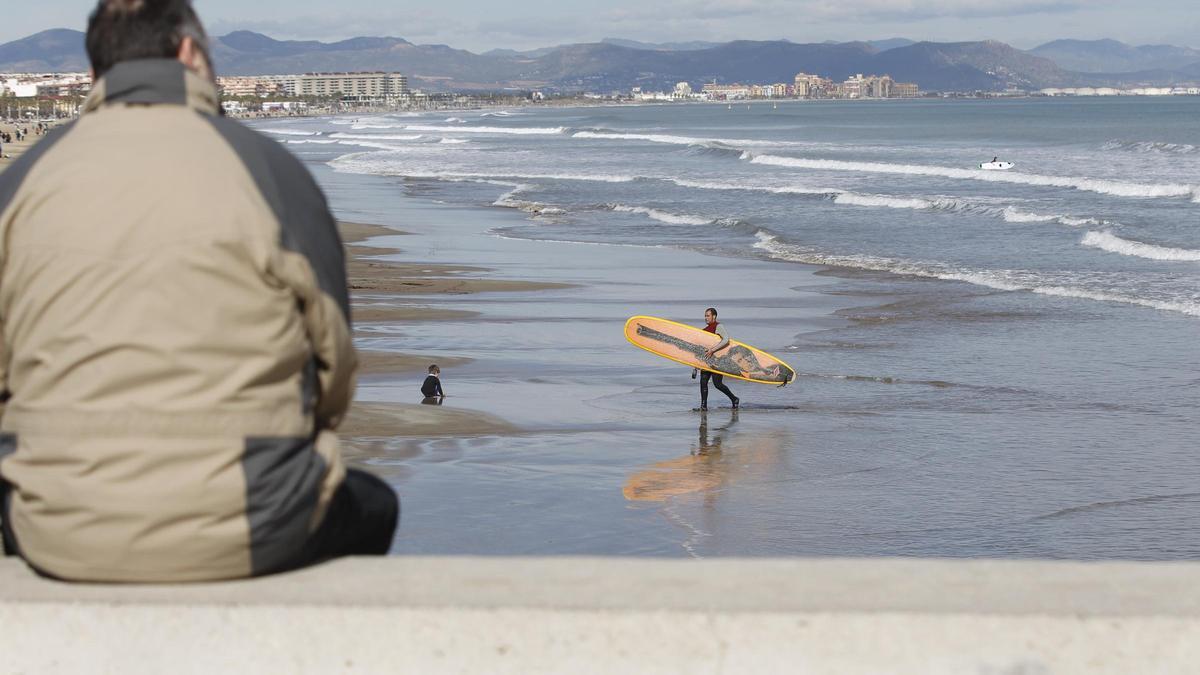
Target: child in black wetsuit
point(432, 387)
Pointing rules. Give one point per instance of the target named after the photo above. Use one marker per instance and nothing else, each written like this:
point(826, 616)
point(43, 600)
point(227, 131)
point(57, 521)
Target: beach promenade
point(589, 615)
point(586, 614)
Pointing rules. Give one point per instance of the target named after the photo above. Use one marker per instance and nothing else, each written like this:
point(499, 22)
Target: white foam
point(516, 131)
point(377, 137)
point(752, 187)
point(1014, 215)
point(1004, 280)
point(289, 132)
point(1109, 187)
point(1107, 241)
point(854, 199)
point(363, 163)
point(453, 141)
point(845, 198)
point(684, 140)
point(455, 120)
point(663, 216)
point(1156, 147)
point(372, 144)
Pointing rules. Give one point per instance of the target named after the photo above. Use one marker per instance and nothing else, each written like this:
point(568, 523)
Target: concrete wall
point(589, 615)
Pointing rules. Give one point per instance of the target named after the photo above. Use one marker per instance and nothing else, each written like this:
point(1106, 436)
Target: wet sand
point(558, 437)
point(381, 293)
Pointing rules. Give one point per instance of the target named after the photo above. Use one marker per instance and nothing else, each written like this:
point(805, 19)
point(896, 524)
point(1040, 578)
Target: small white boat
point(996, 166)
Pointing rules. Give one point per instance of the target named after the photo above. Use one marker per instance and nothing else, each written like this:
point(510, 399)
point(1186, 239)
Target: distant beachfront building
point(811, 86)
point(52, 85)
point(682, 90)
point(250, 86)
point(905, 90)
point(726, 92)
point(853, 87)
point(359, 87)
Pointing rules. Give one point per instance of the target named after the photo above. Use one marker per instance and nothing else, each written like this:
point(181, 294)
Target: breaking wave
point(662, 216)
point(1110, 242)
point(1108, 187)
point(290, 132)
point(1155, 147)
point(431, 128)
point(670, 139)
point(377, 137)
point(1007, 280)
point(1010, 214)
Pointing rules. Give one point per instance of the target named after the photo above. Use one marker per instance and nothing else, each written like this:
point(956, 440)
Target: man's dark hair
point(126, 30)
point(713, 310)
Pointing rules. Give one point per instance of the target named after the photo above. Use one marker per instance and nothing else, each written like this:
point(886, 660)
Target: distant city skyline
point(476, 25)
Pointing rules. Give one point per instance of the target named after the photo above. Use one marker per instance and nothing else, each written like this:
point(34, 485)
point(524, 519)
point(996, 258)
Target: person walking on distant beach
point(177, 349)
point(718, 380)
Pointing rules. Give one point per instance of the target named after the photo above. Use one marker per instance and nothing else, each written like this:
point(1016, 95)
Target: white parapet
point(609, 615)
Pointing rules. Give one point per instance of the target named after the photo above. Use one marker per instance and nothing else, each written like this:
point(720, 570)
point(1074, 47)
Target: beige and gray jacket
point(176, 340)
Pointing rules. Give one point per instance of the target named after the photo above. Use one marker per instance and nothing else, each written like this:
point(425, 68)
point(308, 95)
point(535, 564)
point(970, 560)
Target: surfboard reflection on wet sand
point(717, 459)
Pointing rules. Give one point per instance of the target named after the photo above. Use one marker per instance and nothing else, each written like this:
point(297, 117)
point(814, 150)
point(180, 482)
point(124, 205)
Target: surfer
point(718, 380)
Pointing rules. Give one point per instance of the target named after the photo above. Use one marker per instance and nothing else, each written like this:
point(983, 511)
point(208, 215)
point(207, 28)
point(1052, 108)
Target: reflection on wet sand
point(717, 458)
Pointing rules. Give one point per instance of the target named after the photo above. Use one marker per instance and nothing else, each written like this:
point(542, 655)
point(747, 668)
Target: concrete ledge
point(589, 615)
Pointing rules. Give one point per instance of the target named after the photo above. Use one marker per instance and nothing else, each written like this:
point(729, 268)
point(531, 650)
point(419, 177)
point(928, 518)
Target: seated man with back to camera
point(176, 334)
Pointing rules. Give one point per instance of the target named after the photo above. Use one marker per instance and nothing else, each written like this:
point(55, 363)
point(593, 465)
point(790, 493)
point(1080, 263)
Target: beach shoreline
point(376, 286)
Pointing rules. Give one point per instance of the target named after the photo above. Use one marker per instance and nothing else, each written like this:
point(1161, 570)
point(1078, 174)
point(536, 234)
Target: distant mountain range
point(1110, 56)
point(620, 64)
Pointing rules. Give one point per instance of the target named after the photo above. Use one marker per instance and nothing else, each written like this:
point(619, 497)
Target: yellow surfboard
point(686, 344)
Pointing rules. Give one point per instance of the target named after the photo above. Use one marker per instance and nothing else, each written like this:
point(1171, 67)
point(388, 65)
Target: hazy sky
point(479, 25)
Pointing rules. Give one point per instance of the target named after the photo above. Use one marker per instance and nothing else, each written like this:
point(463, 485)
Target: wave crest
point(1154, 147)
point(773, 246)
point(1108, 187)
point(1107, 241)
point(662, 216)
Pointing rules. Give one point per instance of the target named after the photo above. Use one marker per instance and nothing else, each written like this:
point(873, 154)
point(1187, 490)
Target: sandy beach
point(13, 151)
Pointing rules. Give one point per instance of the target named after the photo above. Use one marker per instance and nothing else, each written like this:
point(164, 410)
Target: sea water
point(1012, 367)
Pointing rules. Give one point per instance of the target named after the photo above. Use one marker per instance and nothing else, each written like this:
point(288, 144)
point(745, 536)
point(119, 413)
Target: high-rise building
point(358, 87)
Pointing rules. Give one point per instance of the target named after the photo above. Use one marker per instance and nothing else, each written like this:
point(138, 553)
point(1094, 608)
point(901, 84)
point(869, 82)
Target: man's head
point(128, 30)
point(710, 315)
point(434, 370)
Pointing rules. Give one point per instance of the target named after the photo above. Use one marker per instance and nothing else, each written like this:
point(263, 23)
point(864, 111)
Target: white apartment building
point(350, 86)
